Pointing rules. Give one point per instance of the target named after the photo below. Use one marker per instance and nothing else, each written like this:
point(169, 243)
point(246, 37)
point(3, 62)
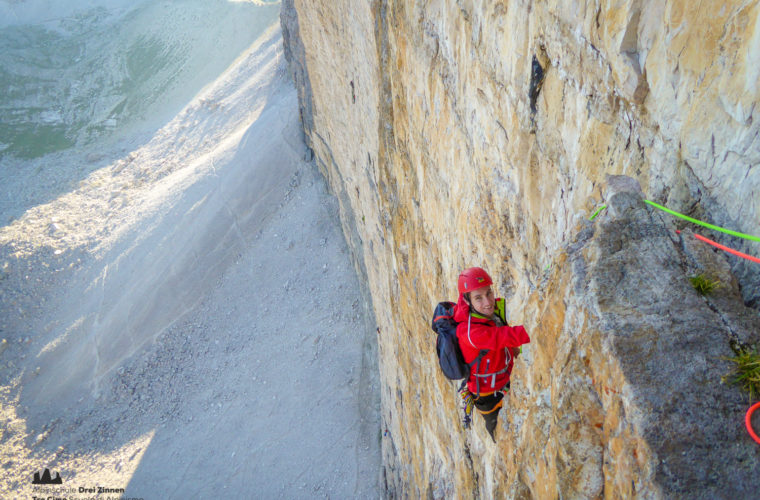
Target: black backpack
point(450, 356)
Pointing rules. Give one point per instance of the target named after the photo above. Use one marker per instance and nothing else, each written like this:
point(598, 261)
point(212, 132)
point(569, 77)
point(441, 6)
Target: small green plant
point(704, 285)
point(746, 372)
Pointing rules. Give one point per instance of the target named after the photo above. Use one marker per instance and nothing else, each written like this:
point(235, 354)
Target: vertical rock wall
point(460, 133)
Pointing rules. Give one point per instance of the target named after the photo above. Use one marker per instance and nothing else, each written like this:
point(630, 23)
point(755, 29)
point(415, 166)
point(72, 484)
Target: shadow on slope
point(254, 310)
point(83, 90)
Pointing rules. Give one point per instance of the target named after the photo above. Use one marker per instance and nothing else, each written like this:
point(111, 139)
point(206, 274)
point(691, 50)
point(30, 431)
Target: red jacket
point(484, 334)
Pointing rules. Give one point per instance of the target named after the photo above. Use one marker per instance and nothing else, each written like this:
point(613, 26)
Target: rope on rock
point(748, 417)
point(725, 248)
point(748, 421)
point(598, 210)
point(704, 224)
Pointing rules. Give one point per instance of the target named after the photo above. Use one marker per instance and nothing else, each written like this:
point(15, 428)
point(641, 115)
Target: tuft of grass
point(704, 285)
point(746, 372)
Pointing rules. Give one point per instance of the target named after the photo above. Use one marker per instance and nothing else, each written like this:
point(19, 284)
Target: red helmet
point(472, 278)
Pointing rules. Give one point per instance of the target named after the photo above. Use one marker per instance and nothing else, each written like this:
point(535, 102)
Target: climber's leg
point(489, 406)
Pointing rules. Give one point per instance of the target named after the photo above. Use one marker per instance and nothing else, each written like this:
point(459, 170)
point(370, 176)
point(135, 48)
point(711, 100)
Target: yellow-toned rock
point(461, 133)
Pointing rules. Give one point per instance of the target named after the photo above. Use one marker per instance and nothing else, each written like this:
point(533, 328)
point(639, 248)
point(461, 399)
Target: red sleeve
point(511, 336)
point(493, 337)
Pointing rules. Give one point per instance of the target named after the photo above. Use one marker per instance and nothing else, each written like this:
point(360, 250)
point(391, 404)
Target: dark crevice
point(471, 466)
point(536, 81)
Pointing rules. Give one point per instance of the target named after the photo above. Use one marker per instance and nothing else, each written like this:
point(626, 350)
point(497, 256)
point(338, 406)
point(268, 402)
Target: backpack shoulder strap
point(475, 362)
point(482, 353)
point(500, 311)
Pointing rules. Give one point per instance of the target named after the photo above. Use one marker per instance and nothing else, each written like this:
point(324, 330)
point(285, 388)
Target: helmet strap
point(466, 297)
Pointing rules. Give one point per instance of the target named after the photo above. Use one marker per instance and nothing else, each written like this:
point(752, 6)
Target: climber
point(483, 327)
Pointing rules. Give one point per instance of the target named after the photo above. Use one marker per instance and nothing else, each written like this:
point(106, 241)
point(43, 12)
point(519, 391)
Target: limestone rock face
point(461, 133)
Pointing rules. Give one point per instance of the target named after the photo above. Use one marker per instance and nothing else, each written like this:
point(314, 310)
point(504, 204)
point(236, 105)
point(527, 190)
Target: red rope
point(725, 248)
point(748, 421)
point(748, 417)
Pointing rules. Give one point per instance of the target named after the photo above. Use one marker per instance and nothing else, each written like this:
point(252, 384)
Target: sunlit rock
point(485, 133)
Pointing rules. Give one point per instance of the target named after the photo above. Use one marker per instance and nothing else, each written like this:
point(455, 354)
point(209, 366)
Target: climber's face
point(483, 300)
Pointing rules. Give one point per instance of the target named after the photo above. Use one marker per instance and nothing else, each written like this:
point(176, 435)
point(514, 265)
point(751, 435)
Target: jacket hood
point(461, 310)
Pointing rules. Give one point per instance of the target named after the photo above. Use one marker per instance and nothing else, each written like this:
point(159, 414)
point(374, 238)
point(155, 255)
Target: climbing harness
point(468, 403)
point(748, 421)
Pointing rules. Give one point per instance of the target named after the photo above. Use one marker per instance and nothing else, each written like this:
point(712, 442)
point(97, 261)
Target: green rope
point(705, 224)
point(597, 212)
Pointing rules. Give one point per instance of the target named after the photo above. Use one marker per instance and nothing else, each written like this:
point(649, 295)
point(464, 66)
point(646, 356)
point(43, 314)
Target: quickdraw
point(468, 402)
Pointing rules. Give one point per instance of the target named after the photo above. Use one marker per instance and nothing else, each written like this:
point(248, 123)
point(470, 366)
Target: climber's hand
point(515, 351)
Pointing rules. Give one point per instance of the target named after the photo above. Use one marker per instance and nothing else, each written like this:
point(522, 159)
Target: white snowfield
point(179, 313)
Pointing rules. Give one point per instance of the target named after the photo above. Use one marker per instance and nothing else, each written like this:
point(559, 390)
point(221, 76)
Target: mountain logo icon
point(46, 479)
